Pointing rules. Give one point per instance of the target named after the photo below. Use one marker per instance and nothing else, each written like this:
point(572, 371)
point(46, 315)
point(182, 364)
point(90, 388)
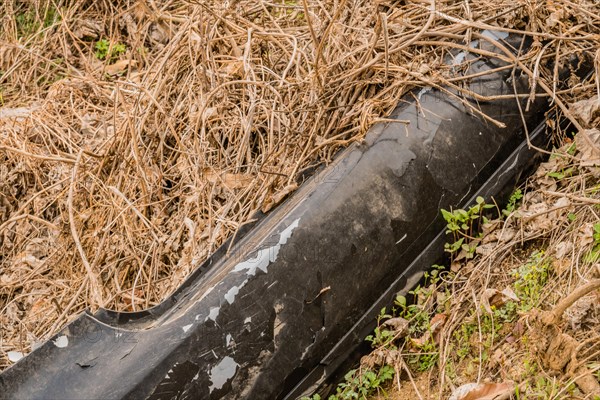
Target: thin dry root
point(554, 316)
point(561, 353)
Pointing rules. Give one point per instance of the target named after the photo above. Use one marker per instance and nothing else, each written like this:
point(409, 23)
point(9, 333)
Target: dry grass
point(119, 174)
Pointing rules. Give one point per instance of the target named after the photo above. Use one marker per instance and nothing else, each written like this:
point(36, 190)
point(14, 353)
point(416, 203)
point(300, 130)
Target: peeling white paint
point(14, 356)
point(248, 320)
point(423, 91)
point(186, 327)
point(195, 378)
point(494, 35)
point(261, 262)
point(61, 341)
point(231, 293)
point(305, 352)
point(402, 238)
point(228, 339)
point(213, 314)
point(287, 232)
point(222, 372)
point(268, 255)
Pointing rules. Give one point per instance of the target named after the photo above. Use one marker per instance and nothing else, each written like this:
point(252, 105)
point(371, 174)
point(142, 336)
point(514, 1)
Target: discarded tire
point(281, 310)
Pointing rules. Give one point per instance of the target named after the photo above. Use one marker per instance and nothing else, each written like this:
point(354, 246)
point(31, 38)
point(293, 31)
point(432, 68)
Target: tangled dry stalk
point(137, 136)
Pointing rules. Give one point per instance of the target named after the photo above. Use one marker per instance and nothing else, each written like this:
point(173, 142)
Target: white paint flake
point(61, 341)
point(222, 372)
point(213, 314)
point(14, 356)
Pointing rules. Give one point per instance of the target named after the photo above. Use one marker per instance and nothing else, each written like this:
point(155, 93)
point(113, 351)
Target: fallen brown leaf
point(496, 298)
point(119, 66)
point(484, 391)
point(588, 150)
point(586, 110)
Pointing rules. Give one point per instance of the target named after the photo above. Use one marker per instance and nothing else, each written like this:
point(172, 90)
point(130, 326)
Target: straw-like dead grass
point(137, 136)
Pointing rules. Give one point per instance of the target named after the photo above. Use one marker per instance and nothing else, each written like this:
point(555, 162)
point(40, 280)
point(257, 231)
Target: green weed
point(461, 224)
point(107, 51)
point(29, 22)
point(381, 337)
point(360, 384)
point(506, 313)
point(530, 279)
point(462, 337)
point(562, 174)
point(426, 359)
point(514, 199)
point(594, 255)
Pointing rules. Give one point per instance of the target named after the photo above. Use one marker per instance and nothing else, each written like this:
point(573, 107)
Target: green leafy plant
point(513, 200)
point(29, 21)
point(594, 255)
point(381, 337)
point(107, 51)
point(530, 279)
point(461, 224)
point(417, 315)
point(426, 358)
point(488, 325)
point(462, 338)
point(562, 174)
point(507, 313)
point(359, 384)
